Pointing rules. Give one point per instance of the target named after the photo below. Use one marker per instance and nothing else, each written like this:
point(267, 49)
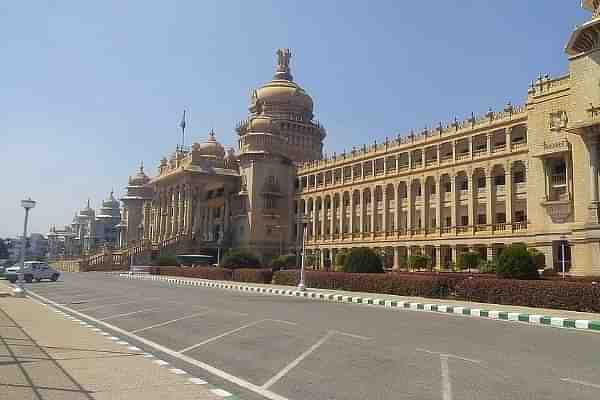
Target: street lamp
point(301, 284)
point(19, 291)
point(563, 240)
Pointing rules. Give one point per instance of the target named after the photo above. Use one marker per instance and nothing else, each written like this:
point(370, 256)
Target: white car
point(32, 270)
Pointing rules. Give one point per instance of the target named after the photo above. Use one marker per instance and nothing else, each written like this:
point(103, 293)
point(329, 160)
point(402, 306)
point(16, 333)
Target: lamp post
point(19, 291)
point(563, 240)
point(304, 221)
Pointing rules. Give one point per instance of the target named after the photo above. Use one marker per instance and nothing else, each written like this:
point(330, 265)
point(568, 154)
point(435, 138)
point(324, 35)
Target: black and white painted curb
point(136, 350)
point(315, 294)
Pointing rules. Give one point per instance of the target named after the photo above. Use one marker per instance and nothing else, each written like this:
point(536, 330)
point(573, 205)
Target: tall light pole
point(19, 291)
point(304, 221)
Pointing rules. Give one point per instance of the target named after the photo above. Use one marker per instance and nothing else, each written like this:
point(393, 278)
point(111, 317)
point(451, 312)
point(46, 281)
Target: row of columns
point(339, 212)
point(411, 156)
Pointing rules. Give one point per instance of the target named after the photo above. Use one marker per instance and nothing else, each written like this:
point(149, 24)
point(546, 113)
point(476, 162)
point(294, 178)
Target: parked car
point(32, 270)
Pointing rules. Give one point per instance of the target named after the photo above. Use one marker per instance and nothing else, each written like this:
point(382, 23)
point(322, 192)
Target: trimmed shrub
point(283, 262)
point(262, 275)
point(392, 283)
point(220, 274)
point(538, 257)
point(487, 267)
point(418, 261)
point(565, 295)
point(362, 260)
point(239, 259)
point(340, 257)
point(166, 261)
point(469, 260)
point(517, 263)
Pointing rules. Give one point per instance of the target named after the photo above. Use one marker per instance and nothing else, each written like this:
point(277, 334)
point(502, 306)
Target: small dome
point(261, 124)
point(140, 178)
point(211, 147)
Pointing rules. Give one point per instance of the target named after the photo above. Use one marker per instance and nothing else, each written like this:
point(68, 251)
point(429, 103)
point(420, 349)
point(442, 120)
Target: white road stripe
point(221, 392)
point(129, 313)
point(583, 383)
point(297, 361)
point(170, 321)
point(116, 304)
point(446, 384)
point(197, 381)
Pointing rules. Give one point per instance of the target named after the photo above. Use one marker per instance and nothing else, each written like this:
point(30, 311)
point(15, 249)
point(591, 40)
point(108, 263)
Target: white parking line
point(192, 361)
point(129, 313)
point(116, 304)
point(170, 321)
point(297, 361)
point(583, 383)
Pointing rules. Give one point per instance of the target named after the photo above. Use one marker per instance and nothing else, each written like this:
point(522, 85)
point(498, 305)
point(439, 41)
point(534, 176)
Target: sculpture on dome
point(283, 60)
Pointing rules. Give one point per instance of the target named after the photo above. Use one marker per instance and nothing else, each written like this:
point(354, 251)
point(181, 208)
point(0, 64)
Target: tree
point(3, 249)
point(284, 261)
point(539, 258)
point(362, 260)
point(517, 263)
point(340, 257)
point(239, 259)
point(469, 260)
point(418, 261)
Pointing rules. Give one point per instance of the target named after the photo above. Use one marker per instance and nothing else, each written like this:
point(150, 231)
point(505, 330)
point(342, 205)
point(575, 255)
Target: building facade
point(526, 174)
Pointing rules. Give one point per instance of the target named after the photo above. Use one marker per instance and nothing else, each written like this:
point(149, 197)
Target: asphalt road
point(289, 348)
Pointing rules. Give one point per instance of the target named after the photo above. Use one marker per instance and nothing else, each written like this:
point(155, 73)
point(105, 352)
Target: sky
point(88, 90)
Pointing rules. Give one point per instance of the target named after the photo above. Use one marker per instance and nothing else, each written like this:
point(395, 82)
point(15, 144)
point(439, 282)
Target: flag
point(182, 122)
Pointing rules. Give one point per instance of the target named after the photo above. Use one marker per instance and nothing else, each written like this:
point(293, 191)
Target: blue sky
point(89, 89)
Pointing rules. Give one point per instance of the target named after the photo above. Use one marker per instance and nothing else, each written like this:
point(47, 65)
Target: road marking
point(170, 321)
point(162, 363)
point(221, 392)
point(297, 361)
point(177, 371)
point(114, 304)
point(352, 335)
point(129, 313)
point(197, 381)
point(222, 335)
point(583, 383)
point(446, 384)
point(192, 361)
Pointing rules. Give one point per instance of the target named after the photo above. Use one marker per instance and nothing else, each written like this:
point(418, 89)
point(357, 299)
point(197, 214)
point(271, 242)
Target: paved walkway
point(45, 354)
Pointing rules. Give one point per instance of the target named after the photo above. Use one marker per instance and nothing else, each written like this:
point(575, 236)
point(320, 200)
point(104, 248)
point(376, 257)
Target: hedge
point(263, 275)
point(564, 295)
point(395, 284)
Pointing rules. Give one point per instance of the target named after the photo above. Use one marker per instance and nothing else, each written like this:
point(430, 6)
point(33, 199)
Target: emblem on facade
point(558, 120)
point(559, 212)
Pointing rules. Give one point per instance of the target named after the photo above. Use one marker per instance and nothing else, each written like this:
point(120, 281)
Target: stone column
point(453, 202)
point(426, 205)
point(323, 215)
point(438, 257)
point(490, 253)
point(438, 208)
point(454, 150)
point(342, 212)
point(384, 217)
point(361, 215)
point(398, 208)
point(508, 196)
point(439, 154)
point(373, 210)
point(471, 200)
point(508, 133)
point(352, 206)
point(490, 199)
point(332, 212)
point(314, 219)
point(489, 143)
point(409, 214)
point(396, 265)
point(454, 254)
point(593, 207)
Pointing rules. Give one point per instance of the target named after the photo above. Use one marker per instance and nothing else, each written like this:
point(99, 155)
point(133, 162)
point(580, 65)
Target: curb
point(534, 319)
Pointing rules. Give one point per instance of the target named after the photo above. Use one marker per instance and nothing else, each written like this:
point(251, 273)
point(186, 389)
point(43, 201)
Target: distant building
point(36, 247)
point(88, 232)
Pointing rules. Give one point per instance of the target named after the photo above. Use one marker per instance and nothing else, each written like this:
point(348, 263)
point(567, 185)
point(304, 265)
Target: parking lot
point(261, 346)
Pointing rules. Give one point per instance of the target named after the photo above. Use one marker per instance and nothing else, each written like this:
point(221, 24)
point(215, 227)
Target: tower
point(280, 132)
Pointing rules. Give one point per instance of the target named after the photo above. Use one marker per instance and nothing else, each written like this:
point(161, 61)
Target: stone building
point(527, 174)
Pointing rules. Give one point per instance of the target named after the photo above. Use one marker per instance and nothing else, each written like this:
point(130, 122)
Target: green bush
point(166, 261)
point(469, 260)
point(239, 259)
point(418, 261)
point(517, 263)
point(487, 267)
point(362, 260)
point(340, 257)
point(539, 258)
point(283, 262)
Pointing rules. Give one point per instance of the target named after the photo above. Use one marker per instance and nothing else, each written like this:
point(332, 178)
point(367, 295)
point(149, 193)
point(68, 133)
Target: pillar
point(454, 254)
point(453, 201)
point(490, 252)
point(352, 210)
point(508, 195)
point(397, 207)
point(593, 207)
point(508, 133)
point(489, 143)
point(409, 214)
point(373, 209)
point(361, 215)
point(314, 220)
point(332, 212)
point(489, 207)
point(438, 209)
point(396, 265)
point(342, 213)
point(471, 200)
point(385, 211)
point(438, 257)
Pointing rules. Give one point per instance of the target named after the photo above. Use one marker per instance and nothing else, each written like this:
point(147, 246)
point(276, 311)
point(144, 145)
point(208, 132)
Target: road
point(262, 346)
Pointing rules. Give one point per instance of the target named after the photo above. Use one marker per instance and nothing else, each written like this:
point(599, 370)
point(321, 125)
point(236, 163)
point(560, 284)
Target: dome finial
point(283, 64)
